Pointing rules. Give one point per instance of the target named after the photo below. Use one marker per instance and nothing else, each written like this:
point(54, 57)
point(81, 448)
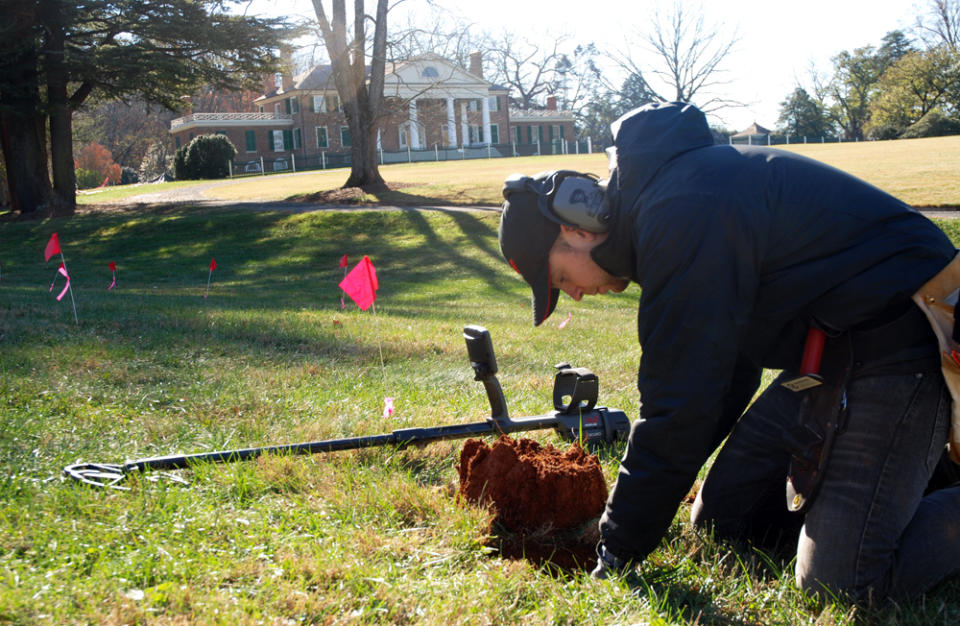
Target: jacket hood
point(647, 137)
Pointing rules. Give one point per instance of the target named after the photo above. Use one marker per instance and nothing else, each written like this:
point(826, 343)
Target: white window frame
point(276, 140)
point(297, 138)
point(319, 104)
point(294, 105)
point(326, 137)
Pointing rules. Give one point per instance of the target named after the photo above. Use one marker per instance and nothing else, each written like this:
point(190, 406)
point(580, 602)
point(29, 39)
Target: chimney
point(476, 64)
point(286, 67)
point(551, 103)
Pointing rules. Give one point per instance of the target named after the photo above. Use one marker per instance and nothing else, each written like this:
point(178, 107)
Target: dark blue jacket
point(737, 250)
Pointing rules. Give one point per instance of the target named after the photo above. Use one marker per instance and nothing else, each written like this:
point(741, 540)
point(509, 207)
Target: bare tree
point(527, 68)
point(941, 25)
point(690, 54)
point(362, 98)
point(444, 35)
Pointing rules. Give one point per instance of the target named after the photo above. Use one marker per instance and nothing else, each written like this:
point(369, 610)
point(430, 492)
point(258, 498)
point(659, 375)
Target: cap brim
point(544, 296)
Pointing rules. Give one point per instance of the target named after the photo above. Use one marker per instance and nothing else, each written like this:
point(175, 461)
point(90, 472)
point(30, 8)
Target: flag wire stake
point(383, 369)
point(70, 287)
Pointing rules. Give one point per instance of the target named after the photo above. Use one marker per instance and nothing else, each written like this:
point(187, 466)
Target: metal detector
point(575, 417)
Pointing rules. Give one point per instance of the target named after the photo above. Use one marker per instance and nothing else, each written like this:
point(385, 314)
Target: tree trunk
point(21, 136)
point(364, 160)
point(61, 130)
point(22, 131)
point(361, 105)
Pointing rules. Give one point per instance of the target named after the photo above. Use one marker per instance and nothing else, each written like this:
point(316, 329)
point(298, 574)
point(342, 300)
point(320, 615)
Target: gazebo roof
point(753, 130)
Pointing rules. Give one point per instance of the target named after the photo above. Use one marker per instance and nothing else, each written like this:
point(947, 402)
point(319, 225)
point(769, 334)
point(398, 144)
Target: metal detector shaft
point(592, 426)
point(401, 437)
point(576, 418)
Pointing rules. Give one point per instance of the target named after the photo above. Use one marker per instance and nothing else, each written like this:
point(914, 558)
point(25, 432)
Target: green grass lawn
point(922, 172)
point(269, 357)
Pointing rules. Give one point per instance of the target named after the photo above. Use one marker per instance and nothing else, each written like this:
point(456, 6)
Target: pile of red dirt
point(532, 490)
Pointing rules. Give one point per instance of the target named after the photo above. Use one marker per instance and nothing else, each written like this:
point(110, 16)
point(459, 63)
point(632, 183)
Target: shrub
point(95, 158)
point(128, 176)
point(180, 164)
point(207, 156)
point(933, 124)
point(883, 131)
point(87, 179)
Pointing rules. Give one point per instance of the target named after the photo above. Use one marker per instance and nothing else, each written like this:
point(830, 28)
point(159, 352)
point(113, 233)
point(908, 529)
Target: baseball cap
point(526, 237)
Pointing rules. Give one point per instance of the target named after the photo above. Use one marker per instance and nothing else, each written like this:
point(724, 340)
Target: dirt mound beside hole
point(545, 502)
point(530, 486)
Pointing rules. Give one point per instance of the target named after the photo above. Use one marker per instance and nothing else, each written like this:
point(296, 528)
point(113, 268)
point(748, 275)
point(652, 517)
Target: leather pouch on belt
point(938, 298)
point(822, 417)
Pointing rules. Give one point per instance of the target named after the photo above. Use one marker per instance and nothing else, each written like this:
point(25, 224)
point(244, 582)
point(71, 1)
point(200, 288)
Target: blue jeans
point(870, 532)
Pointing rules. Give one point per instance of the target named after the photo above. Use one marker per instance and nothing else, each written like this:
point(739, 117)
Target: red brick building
point(435, 109)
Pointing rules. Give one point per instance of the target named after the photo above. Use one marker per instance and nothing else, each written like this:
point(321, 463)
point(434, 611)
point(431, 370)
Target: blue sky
point(778, 40)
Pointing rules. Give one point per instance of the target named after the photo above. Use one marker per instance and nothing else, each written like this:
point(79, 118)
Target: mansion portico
point(431, 104)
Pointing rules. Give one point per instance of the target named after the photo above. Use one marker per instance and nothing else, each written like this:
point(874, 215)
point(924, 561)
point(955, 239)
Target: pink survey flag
point(53, 247)
point(564, 323)
point(61, 270)
point(213, 266)
point(361, 283)
point(343, 262)
point(387, 407)
point(113, 268)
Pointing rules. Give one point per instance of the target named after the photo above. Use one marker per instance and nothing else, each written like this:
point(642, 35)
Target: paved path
point(196, 195)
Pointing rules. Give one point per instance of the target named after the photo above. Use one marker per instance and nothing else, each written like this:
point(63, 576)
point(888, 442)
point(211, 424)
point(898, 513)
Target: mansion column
point(451, 125)
point(485, 108)
point(464, 125)
point(414, 127)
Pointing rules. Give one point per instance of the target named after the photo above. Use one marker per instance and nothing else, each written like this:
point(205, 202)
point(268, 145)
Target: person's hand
point(608, 565)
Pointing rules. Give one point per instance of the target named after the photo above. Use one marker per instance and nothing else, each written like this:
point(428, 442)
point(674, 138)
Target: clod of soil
point(543, 498)
point(531, 486)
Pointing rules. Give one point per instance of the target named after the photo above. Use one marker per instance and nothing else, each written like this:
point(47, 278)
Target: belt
point(901, 341)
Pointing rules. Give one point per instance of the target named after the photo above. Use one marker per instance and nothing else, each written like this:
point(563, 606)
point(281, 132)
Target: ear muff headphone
point(576, 199)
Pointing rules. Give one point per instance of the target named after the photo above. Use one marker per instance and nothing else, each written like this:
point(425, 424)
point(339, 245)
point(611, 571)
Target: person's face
point(573, 270)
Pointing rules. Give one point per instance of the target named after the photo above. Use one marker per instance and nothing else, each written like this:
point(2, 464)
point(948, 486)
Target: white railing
point(227, 117)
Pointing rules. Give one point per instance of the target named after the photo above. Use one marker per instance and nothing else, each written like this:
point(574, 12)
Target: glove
point(608, 565)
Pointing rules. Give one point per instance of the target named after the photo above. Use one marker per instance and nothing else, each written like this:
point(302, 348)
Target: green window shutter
point(286, 106)
point(287, 139)
point(345, 136)
point(561, 132)
point(550, 134)
point(529, 134)
point(540, 132)
point(494, 133)
point(178, 141)
point(321, 136)
point(297, 138)
point(251, 140)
